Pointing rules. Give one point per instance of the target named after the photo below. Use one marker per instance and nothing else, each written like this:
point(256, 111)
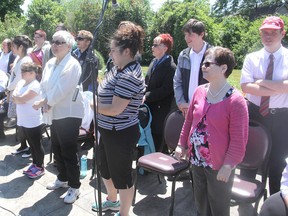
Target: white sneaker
point(57, 184)
point(72, 195)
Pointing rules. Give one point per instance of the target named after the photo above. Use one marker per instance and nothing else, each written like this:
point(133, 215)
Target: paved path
point(20, 195)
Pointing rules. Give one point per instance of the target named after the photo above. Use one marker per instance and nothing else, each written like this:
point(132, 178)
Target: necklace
point(214, 96)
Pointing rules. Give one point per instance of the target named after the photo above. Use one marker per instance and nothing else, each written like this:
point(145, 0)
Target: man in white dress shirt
point(256, 85)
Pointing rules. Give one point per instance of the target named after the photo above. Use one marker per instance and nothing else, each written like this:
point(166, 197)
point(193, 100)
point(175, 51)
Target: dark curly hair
point(129, 36)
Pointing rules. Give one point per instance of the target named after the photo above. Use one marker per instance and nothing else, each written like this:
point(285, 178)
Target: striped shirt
point(127, 83)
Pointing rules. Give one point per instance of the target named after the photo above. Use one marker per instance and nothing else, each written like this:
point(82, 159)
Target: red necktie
point(264, 105)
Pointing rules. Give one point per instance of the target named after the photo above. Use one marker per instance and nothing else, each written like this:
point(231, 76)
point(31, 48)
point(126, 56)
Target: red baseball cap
point(272, 22)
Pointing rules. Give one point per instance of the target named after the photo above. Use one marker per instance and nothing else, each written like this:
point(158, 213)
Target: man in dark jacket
point(84, 38)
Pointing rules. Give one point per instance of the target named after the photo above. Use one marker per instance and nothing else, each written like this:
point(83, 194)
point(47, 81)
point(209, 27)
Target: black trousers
point(277, 126)
point(64, 134)
point(116, 155)
point(22, 137)
point(33, 135)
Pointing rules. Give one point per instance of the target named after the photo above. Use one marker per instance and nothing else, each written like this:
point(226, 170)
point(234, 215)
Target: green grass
point(234, 78)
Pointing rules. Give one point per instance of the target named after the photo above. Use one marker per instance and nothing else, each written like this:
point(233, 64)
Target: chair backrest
point(172, 128)
point(258, 148)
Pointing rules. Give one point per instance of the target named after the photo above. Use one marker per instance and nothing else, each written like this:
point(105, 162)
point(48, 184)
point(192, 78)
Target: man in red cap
point(265, 81)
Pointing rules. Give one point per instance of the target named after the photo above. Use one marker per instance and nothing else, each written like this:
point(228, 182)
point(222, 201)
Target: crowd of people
point(40, 82)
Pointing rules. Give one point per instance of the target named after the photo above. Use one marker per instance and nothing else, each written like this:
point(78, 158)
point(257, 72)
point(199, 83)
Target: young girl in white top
point(30, 120)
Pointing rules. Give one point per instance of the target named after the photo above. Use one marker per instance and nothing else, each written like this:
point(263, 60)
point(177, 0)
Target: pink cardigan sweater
point(227, 127)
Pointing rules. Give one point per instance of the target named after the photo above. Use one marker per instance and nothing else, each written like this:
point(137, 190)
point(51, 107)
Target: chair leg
point(172, 197)
point(159, 180)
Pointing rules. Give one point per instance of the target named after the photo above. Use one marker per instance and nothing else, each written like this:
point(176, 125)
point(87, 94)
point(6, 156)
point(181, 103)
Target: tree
point(12, 26)
point(12, 6)
point(174, 14)
point(44, 14)
point(137, 11)
point(250, 8)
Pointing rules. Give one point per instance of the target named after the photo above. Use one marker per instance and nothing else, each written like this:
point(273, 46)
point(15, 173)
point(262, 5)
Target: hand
point(37, 105)
point(286, 200)
point(183, 108)
point(258, 81)
point(41, 103)
point(224, 173)
point(143, 99)
point(92, 104)
point(180, 153)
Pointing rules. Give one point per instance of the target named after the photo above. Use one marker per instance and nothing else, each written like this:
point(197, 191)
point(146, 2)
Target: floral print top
point(200, 154)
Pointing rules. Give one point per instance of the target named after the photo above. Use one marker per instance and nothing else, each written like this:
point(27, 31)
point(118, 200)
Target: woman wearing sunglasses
point(214, 134)
point(159, 80)
point(58, 84)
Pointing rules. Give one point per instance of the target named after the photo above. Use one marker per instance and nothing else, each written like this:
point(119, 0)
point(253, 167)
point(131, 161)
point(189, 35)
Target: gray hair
point(66, 36)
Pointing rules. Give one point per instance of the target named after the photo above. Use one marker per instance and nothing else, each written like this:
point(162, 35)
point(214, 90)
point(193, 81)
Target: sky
point(155, 4)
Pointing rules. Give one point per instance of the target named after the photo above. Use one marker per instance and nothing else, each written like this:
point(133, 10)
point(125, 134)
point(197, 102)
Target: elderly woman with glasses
point(58, 84)
point(214, 134)
point(159, 94)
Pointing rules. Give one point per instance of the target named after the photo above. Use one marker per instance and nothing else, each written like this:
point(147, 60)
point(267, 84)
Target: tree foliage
point(10, 6)
point(44, 14)
point(12, 26)
point(243, 7)
point(137, 11)
point(174, 14)
point(230, 28)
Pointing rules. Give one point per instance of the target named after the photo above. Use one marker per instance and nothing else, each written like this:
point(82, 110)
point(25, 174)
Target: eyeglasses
point(80, 39)
point(156, 45)
point(26, 70)
point(207, 64)
point(58, 43)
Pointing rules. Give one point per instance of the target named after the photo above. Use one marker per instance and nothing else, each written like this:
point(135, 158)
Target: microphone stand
point(89, 60)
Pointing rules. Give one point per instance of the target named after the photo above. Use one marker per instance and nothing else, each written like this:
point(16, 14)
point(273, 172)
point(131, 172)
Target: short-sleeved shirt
point(127, 83)
point(255, 67)
point(27, 116)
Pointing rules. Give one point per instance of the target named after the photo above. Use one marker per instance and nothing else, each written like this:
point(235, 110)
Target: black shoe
point(87, 146)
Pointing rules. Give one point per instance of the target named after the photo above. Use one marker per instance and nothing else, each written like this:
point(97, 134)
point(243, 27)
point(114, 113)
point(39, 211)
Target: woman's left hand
point(224, 173)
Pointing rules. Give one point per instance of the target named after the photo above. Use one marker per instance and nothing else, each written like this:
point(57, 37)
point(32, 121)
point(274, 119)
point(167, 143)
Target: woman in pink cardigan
point(214, 134)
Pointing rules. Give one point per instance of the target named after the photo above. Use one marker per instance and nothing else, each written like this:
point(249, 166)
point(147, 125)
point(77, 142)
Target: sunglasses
point(156, 45)
point(207, 64)
point(26, 70)
point(80, 39)
point(57, 43)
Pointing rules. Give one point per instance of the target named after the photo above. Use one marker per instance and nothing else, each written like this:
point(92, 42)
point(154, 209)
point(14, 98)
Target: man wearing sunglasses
point(188, 73)
point(264, 80)
point(83, 39)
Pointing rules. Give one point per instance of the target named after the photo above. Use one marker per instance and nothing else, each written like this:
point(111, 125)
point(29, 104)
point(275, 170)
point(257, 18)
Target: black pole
point(90, 60)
